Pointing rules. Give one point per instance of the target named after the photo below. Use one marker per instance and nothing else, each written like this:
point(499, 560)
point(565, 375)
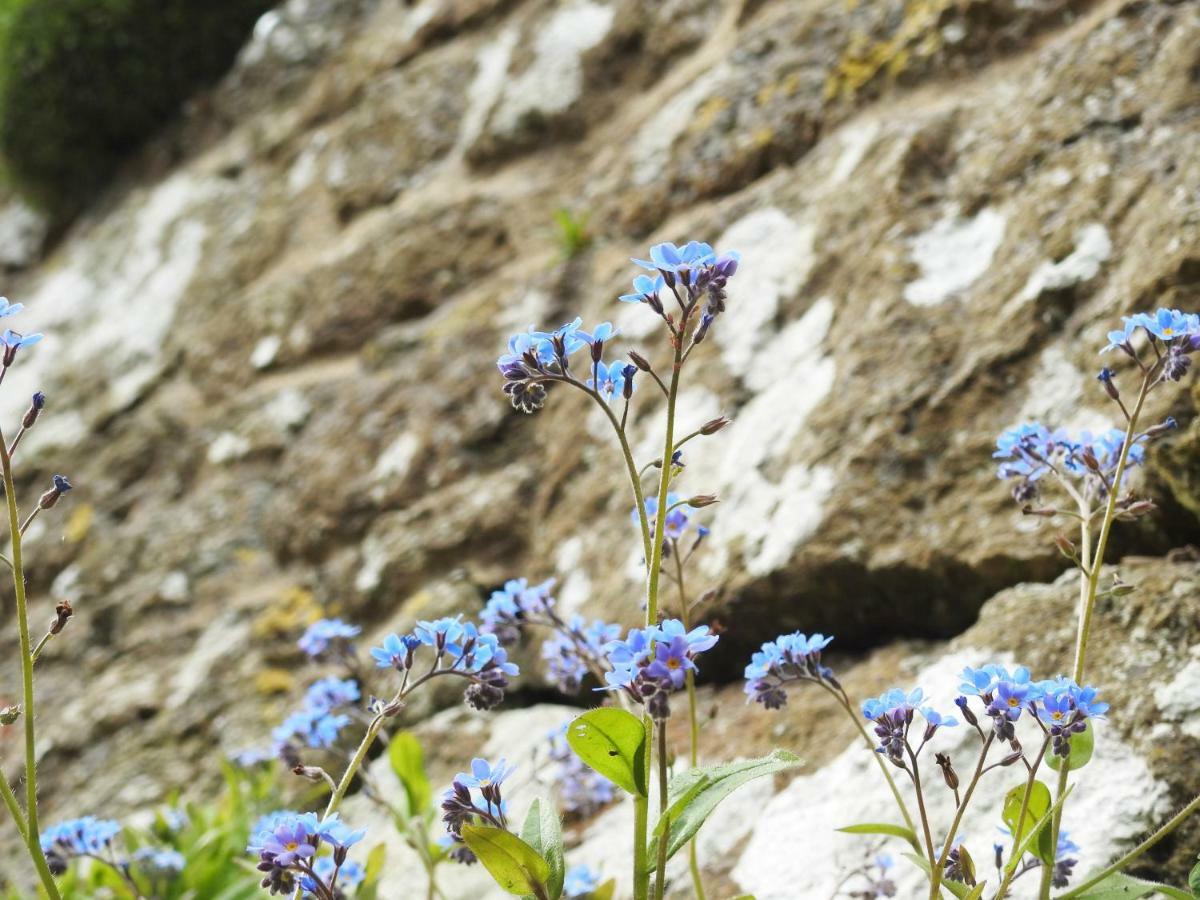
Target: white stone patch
point(794, 850)
point(174, 587)
point(554, 79)
point(1092, 249)
point(485, 88)
point(1179, 700)
point(22, 233)
point(375, 557)
point(529, 311)
point(108, 305)
point(574, 585)
point(288, 410)
point(777, 255)
point(224, 636)
point(651, 150)
point(770, 517)
point(1056, 395)
point(395, 461)
point(953, 254)
point(855, 141)
point(265, 351)
point(227, 447)
point(68, 584)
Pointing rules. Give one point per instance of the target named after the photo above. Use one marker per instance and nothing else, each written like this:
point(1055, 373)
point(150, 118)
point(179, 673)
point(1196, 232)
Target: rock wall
point(271, 363)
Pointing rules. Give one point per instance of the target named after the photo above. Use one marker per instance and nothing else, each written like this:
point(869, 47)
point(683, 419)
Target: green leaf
point(1082, 745)
point(408, 762)
point(977, 892)
point(1120, 886)
point(612, 742)
point(957, 888)
point(694, 794)
point(369, 888)
point(884, 828)
point(1040, 801)
point(513, 864)
point(606, 891)
point(1038, 832)
point(543, 832)
point(1194, 881)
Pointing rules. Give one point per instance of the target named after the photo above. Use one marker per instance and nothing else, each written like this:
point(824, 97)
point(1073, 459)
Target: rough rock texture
point(271, 364)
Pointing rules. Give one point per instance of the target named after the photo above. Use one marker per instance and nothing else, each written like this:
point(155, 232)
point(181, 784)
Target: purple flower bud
point(35, 408)
point(60, 486)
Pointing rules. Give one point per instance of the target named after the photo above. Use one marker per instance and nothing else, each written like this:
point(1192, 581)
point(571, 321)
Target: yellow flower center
point(1167, 332)
point(291, 845)
point(1014, 702)
point(673, 663)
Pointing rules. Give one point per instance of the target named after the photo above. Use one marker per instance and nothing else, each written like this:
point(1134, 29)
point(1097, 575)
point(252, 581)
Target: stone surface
point(271, 350)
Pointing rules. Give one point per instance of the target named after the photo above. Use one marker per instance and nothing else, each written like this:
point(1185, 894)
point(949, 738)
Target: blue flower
point(677, 519)
point(602, 332)
point(581, 790)
point(697, 640)
point(350, 874)
point(322, 633)
point(516, 601)
point(13, 340)
point(330, 693)
point(671, 661)
point(290, 841)
point(317, 728)
point(666, 257)
point(78, 837)
point(394, 654)
point(892, 702)
point(9, 309)
point(484, 774)
point(579, 882)
point(611, 379)
point(159, 860)
point(441, 634)
point(338, 834)
point(1165, 324)
point(644, 288)
point(935, 719)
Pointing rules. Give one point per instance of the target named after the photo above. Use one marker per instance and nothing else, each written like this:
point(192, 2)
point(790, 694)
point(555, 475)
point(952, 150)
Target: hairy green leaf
point(612, 742)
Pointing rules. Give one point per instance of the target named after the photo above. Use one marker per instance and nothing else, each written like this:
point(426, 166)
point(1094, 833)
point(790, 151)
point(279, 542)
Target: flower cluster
point(1177, 332)
point(287, 844)
point(459, 649)
point(581, 790)
point(575, 649)
point(158, 862)
point(694, 269)
point(892, 712)
point(651, 663)
point(537, 358)
point(1061, 706)
point(317, 724)
point(87, 836)
point(1031, 450)
point(326, 633)
point(474, 797)
point(788, 658)
point(517, 603)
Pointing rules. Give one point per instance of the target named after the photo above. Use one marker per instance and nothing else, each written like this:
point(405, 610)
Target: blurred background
point(277, 249)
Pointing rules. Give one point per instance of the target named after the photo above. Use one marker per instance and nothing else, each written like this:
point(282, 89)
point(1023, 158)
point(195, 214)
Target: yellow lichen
point(79, 523)
point(295, 609)
point(865, 59)
point(274, 681)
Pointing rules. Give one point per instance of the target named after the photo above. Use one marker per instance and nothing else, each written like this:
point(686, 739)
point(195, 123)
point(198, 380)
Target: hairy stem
point(844, 702)
point(660, 878)
point(31, 813)
point(1009, 875)
point(693, 718)
point(14, 808)
point(935, 876)
point(1178, 819)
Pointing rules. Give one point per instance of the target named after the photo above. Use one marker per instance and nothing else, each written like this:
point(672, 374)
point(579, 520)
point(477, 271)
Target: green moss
point(84, 82)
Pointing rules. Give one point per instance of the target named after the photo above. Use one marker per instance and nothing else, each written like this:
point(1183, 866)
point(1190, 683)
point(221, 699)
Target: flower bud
point(1136, 510)
point(1106, 378)
point(714, 425)
point(1012, 758)
point(60, 486)
point(597, 351)
point(948, 773)
point(312, 773)
point(640, 361)
point(1046, 512)
point(63, 613)
point(35, 408)
point(702, 500)
point(1065, 546)
point(1168, 424)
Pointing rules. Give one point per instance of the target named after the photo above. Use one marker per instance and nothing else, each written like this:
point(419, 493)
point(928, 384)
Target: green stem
point(660, 877)
point(935, 876)
point(1093, 562)
point(641, 868)
point(916, 779)
point(14, 808)
point(903, 807)
point(31, 813)
point(635, 479)
point(693, 718)
point(1137, 851)
point(1011, 869)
